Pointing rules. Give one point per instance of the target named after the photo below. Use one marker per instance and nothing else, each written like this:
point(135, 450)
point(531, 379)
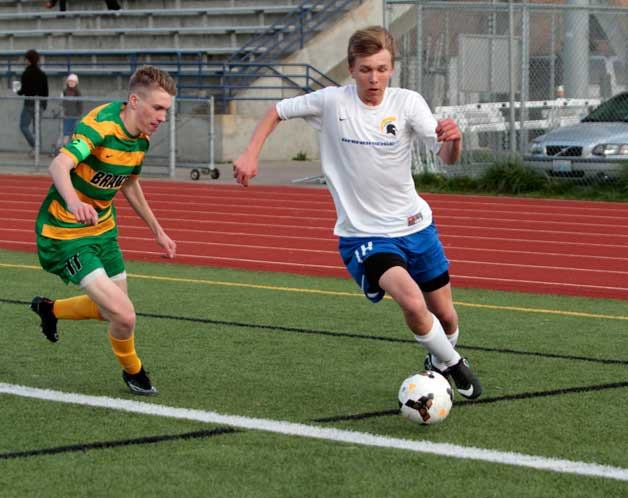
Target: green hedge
point(511, 177)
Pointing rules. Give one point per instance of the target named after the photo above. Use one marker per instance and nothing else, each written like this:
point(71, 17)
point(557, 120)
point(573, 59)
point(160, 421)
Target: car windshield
point(614, 109)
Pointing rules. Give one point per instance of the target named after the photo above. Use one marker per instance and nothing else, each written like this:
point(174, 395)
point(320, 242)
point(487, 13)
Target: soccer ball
point(425, 397)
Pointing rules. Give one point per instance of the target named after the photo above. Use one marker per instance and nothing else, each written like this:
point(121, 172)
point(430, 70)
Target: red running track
point(543, 246)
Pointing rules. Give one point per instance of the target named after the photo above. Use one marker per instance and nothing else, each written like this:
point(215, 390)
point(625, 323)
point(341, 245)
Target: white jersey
point(366, 157)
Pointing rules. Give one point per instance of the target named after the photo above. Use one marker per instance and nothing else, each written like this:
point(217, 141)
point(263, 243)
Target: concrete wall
point(288, 140)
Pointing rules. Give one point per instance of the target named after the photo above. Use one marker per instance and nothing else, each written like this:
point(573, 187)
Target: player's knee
point(416, 312)
point(448, 319)
point(124, 318)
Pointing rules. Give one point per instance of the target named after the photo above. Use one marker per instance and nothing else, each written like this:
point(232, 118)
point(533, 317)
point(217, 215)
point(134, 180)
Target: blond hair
point(369, 41)
point(150, 78)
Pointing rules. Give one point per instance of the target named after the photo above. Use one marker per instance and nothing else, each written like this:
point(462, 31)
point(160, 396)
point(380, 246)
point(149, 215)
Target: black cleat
point(139, 383)
point(467, 384)
point(43, 307)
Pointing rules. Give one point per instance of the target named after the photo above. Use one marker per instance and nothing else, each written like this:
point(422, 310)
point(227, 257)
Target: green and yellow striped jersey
point(105, 155)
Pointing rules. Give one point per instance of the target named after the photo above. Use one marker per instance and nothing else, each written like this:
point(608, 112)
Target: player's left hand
point(168, 244)
point(245, 168)
point(447, 131)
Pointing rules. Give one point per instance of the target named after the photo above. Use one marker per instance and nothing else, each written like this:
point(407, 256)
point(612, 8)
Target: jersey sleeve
point(84, 140)
point(309, 107)
point(422, 121)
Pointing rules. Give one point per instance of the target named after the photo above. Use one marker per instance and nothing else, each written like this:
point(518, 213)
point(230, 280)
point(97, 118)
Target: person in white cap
point(72, 109)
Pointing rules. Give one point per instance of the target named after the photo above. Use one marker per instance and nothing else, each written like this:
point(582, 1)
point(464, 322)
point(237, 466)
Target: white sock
point(439, 346)
point(453, 338)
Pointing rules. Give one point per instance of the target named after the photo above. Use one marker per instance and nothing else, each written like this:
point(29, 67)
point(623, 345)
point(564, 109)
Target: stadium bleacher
point(185, 36)
point(138, 28)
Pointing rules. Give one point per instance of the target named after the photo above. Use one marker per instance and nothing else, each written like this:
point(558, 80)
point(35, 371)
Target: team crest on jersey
point(388, 126)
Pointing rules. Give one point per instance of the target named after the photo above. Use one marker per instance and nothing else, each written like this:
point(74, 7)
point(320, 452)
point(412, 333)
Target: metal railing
point(186, 141)
point(292, 31)
point(224, 81)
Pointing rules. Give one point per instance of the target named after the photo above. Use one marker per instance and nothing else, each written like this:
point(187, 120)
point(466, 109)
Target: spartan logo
point(107, 180)
point(388, 126)
point(391, 129)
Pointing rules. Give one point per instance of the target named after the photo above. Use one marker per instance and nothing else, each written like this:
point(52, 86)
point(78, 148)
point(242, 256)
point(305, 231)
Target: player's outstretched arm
point(448, 133)
point(133, 192)
point(59, 170)
point(245, 166)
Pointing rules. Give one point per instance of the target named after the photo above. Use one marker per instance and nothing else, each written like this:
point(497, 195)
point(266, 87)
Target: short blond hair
point(150, 78)
point(369, 41)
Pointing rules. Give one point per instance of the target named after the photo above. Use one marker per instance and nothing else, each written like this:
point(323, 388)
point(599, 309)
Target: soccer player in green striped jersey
point(76, 225)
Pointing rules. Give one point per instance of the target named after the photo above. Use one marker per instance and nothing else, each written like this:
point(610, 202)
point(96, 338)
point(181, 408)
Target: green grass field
point(311, 351)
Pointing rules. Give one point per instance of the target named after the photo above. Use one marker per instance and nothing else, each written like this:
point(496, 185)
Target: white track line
point(334, 251)
point(329, 227)
point(320, 215)
point(328, 434)
point(216, 204)
point(130, 225)
point(530, 241)
point(540, 283)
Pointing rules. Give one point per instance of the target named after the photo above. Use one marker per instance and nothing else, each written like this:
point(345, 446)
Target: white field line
point(328, 434)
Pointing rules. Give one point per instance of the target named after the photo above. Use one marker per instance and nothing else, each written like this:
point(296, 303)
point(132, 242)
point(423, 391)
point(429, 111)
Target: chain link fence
point(510, 72)
point(183, 146)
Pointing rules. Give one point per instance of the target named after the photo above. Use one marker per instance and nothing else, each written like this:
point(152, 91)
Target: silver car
point(594, 148)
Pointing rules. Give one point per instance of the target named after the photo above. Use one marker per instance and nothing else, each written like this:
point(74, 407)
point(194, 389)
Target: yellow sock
point(76, 308)
point(124, 349)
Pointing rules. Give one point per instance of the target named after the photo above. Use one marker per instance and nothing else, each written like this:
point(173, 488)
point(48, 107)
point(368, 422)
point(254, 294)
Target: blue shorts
point(422, 251)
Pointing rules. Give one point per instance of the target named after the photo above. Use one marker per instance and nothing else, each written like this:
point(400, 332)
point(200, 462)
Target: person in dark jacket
point(33, 83)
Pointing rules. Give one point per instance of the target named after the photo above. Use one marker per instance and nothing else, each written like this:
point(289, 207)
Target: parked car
point(594, 148)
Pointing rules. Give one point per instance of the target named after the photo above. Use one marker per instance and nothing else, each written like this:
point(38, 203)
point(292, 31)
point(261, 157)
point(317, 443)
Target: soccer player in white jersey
point(388, 241)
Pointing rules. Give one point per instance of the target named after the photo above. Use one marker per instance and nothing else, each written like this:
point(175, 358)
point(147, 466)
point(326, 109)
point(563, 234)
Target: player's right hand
point(84, 213)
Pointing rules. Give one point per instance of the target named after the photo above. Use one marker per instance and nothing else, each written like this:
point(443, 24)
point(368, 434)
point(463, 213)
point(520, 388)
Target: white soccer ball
point(425, 397)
